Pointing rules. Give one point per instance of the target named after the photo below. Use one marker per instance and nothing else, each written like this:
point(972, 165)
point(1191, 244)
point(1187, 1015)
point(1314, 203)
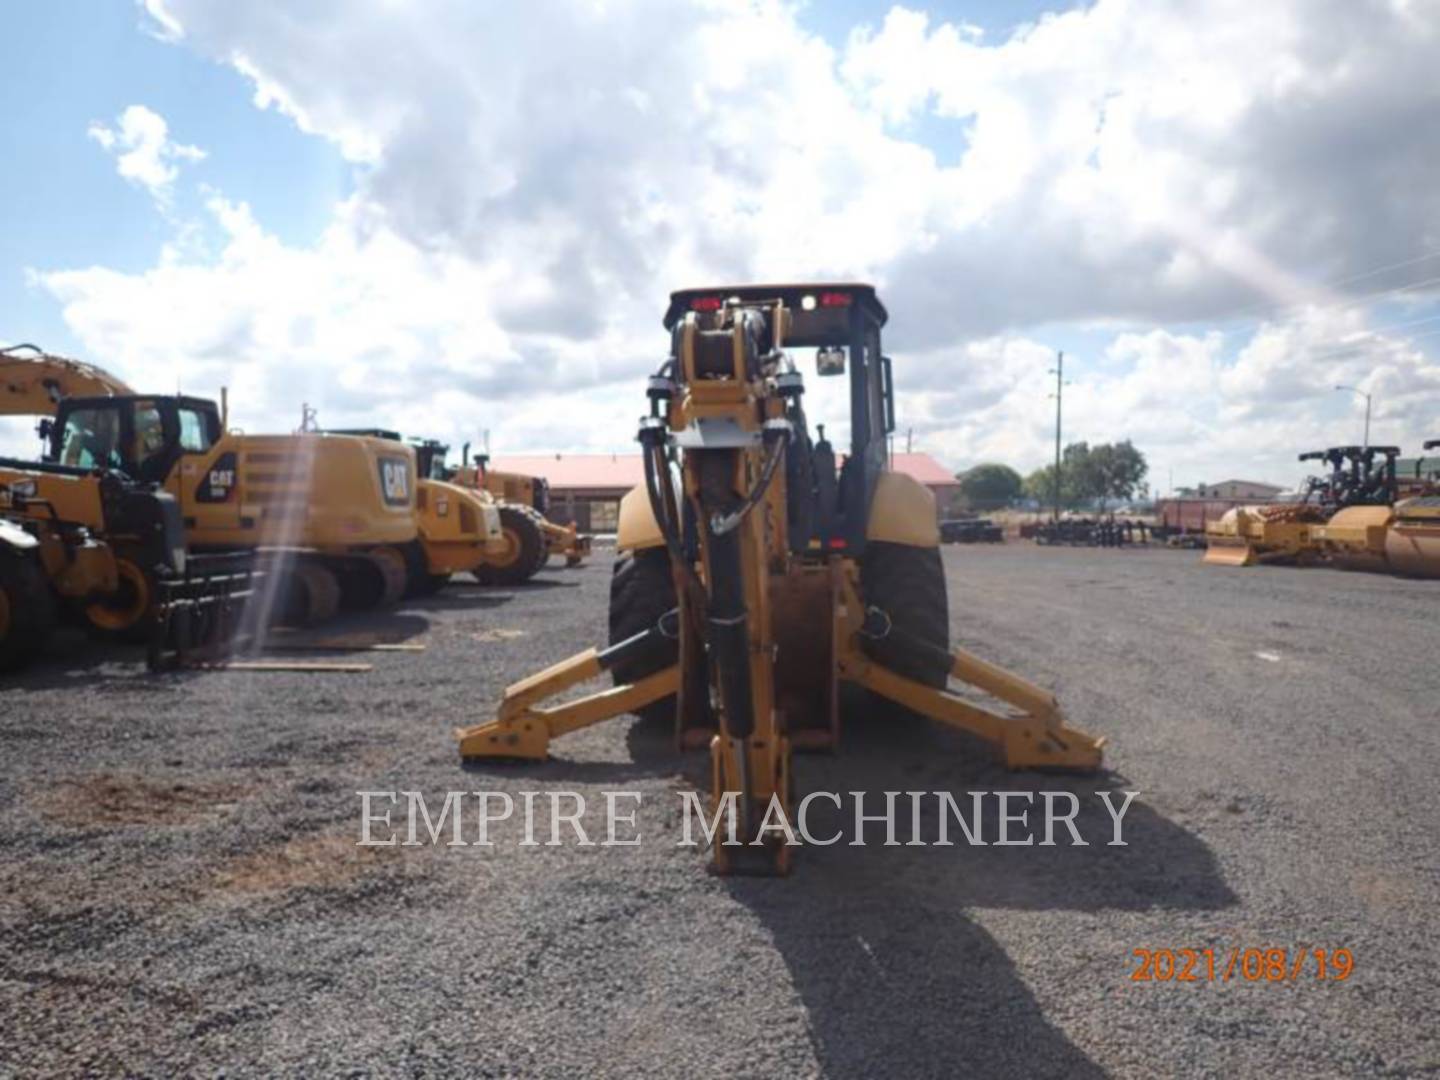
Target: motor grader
point(754, 578)
point(520, 489)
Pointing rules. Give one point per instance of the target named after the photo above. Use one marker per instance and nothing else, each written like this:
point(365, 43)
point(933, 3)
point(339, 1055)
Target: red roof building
point(586, 488)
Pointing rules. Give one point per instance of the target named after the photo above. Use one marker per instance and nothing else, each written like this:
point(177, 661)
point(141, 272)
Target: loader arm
point(32, 382)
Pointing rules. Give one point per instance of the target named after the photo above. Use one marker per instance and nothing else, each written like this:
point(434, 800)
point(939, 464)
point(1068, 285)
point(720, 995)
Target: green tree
point(1089, 473)
point(990, 486)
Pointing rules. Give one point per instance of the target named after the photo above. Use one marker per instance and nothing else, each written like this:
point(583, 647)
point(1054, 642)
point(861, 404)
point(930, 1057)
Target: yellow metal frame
point(1031, 733)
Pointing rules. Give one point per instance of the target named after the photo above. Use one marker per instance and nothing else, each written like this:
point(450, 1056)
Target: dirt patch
point(118, 799)
point(324, 861)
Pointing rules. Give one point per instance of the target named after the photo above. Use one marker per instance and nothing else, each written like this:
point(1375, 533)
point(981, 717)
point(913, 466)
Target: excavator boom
point(32, 381)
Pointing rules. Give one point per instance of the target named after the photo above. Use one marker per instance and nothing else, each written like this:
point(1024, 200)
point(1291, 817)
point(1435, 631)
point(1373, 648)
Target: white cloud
point(530, 189)
point(144, 152)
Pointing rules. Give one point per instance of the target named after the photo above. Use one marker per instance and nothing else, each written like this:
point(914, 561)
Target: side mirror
point(45, 428)
point(830, 361)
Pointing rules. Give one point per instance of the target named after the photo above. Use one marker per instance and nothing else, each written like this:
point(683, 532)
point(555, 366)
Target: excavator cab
point(141, 436)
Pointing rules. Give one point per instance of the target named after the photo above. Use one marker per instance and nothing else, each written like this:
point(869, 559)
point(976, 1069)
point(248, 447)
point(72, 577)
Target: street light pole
point(1366, 396)
point(1059, 372)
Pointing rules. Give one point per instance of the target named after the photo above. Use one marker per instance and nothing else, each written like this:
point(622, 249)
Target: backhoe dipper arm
point(32, 382)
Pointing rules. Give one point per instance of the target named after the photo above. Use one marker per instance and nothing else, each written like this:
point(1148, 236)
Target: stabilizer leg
point(524, 730)
point(1035, 736)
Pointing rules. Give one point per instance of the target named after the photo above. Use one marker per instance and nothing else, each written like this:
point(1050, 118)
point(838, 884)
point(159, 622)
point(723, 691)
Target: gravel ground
point(181, 890)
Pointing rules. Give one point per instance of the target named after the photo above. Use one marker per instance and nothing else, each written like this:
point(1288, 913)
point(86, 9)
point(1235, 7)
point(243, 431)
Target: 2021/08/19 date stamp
point(1240, 964)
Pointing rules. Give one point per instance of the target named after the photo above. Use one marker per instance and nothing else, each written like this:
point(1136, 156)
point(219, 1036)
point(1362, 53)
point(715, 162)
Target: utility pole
point(1059, 372)
point(909, 440)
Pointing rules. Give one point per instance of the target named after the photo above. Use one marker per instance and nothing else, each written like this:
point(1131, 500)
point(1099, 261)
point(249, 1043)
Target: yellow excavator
point(753, 579)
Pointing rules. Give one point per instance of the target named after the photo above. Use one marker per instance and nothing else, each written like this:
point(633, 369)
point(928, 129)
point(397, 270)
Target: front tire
point(525, 547)
point(27, 610)
point(908, 584)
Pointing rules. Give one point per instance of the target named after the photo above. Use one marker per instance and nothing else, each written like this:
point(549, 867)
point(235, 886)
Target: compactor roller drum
point(27, 610)
point(641, 591)
point(524, 550)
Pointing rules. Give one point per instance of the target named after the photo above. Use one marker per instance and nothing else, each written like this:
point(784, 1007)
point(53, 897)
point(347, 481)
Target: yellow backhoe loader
point(753, 579)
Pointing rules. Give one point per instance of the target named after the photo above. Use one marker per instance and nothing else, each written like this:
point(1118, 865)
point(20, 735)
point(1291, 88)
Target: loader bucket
point(1412, 546)
point(1229, 551)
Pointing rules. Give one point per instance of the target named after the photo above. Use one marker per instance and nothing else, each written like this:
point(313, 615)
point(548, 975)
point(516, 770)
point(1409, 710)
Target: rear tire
point(27, 610)
point(314, 594)
point(642, 590)
point(527, 550)
point(394, 570)
point(908, 584)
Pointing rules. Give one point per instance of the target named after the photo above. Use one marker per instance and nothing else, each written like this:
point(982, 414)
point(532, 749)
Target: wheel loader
point(754, 577)
point(519, 489)
point(333, 518)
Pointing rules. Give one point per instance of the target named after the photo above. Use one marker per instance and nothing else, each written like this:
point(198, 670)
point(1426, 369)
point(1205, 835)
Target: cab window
point(194, 437)
point(91, 439)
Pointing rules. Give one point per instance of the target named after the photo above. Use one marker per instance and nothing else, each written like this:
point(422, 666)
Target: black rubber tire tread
point(532, 548)
point(641, 590)
point(392, 566)
point(908, 583)
point(542, 549)
point(32, 607)
point(319, 589)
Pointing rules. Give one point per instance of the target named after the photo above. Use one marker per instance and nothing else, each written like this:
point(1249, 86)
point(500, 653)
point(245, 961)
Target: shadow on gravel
point(891, 968)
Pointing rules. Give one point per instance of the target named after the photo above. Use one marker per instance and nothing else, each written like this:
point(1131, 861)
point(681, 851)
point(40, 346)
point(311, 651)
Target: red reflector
point(834, 299)
point(837, 542)
point(705, 303)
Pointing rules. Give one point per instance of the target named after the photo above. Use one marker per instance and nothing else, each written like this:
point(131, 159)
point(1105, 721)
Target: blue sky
point(1162, 190)
point(75, 63)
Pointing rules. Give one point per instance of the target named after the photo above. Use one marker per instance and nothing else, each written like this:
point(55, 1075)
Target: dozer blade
point(1229, 551)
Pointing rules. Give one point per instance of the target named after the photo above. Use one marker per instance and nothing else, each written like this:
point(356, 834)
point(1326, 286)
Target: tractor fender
point(637, 528)
point(12, 536)
point(902, 511)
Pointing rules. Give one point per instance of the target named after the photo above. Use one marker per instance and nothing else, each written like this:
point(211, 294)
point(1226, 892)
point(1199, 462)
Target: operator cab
point(841, 322)
point(140, 435)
